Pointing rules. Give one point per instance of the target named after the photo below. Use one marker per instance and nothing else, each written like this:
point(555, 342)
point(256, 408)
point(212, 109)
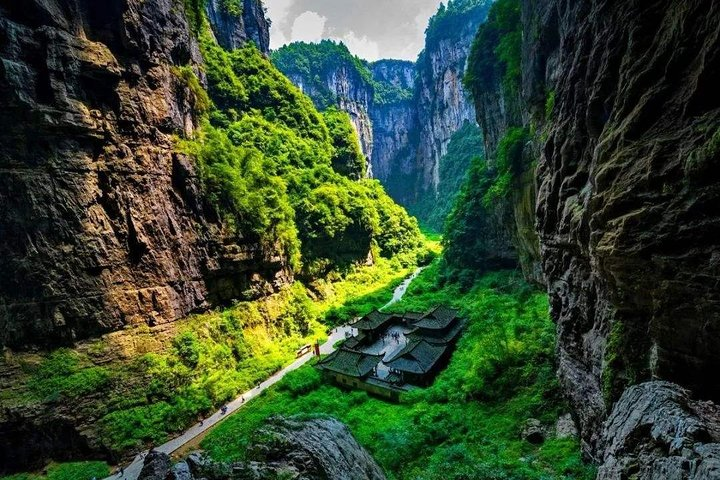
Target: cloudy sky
point(371, 29)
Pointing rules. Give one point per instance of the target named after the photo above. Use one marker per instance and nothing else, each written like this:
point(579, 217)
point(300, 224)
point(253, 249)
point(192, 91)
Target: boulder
point(656, 431)
point(156, 467)
point(533, 431)
point(565, 427)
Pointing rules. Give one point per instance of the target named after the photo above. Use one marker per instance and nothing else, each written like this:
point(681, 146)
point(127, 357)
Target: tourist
point(224, 409)
point(122, 472)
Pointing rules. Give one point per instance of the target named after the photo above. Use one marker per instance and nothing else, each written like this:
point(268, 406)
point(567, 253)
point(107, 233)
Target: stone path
point(132, 471)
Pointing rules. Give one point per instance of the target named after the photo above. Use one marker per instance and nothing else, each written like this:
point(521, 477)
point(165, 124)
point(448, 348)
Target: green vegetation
point(468, 423)
point(67, 471)
point(549, 105)
point(313, 62)
point(468, 237)
point(509, 164)
point(233, 7)
point(465, 144)
point(348, 158)
point(281, 174)
point(187, 75)
point(202, 361)
point(451, 18)
point(495, 55)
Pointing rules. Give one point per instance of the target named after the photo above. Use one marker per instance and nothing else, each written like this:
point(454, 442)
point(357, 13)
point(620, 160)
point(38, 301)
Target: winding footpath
point(132, 471)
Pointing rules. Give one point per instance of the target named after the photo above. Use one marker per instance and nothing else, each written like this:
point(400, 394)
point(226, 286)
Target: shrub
point(187, 348)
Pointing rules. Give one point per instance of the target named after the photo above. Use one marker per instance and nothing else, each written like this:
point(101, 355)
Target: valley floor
point(469, 423)
point(140, 387)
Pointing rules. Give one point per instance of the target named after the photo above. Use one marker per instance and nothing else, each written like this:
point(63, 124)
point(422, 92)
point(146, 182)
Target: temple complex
point(393, 353)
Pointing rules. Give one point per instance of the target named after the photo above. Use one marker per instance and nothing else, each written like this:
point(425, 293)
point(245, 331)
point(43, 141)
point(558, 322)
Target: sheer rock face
point(443, 104)
point(405, 139)
point(629, 194)
point(513, 222)
point(393, 125)
point(103, 224)
point(319, 449)
point(233, 31)
point(657, 432)
point(351, 93)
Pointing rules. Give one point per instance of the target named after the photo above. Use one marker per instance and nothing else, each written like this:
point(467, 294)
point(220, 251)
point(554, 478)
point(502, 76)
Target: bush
point(495, 55)
point(302, 381)
point(187, 348)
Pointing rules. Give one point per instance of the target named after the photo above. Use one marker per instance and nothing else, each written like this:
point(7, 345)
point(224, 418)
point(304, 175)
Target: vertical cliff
point(405, 113)
point(236, 22)
point(628, 182)
point(103, 224)
point(394, 123)
point(614, 101)
point(442, 102)
point(331, 76)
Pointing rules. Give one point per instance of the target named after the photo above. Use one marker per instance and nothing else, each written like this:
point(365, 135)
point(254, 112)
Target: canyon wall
point(442, 102)
point(628, 193)
point(394, 124)
point(235, 26)
point(405, 113)
point(328, 74)
point(623, 123)
point(103, 224)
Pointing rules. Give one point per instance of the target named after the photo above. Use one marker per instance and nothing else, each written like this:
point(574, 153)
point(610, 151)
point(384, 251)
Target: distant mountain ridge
point(405, 112)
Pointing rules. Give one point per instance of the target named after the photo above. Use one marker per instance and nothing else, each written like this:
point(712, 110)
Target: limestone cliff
point(394, 122)
point(623, 119)
point(405, 113)
point(103, 224)
point(442, 102)
point(331, 76)
point(235, 24)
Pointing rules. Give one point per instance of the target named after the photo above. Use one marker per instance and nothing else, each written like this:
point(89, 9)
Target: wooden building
point(430, 337)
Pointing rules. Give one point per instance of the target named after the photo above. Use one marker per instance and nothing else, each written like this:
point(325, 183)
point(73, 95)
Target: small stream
point(402, 288)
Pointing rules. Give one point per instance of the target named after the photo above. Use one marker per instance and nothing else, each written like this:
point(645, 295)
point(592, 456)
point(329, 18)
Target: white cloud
point(362, 47)
point(308, 27)
point(370, 28)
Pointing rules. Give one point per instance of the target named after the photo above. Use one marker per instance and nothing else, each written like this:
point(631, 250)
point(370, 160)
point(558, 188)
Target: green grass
point(468, 423)
point(67, 471)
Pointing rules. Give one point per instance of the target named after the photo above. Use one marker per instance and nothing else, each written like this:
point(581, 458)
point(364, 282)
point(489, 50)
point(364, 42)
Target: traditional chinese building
point(393, 353)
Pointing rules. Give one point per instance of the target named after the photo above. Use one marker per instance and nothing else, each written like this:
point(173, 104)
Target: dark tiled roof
point(372, 320)
point(417, 357)
point(348, 362)
point(413, 316)
point(353, 342)
point(437, 319)
point(438, 336)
